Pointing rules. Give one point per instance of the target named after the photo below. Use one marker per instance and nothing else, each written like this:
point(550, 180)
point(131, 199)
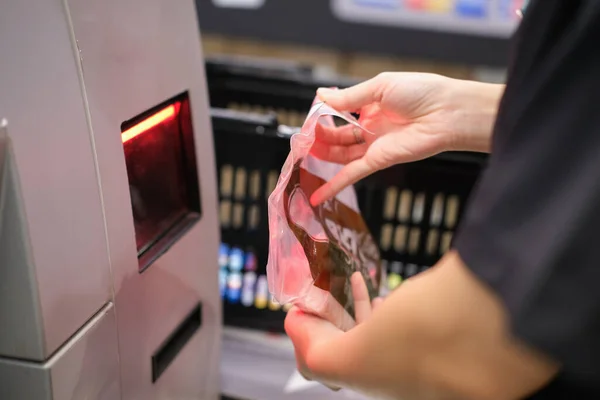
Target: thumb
point(355, 97)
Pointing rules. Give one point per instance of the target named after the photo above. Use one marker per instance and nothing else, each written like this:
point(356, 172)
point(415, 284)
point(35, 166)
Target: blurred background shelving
point(392, 33)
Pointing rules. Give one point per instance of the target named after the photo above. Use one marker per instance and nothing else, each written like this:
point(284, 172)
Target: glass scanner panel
point(163, 181)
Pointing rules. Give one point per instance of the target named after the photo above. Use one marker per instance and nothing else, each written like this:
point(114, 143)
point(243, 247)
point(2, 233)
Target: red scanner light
point(149, 123)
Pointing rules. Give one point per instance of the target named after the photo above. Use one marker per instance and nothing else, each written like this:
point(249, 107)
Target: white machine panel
point(57, 274)
point(135, 56)
point(108, 205)
point(86, 368)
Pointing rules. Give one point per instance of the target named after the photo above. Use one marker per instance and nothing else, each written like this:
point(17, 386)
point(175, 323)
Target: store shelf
point(312, 22)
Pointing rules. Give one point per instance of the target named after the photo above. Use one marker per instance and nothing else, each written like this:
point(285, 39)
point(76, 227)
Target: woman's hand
point(302, 328)
point(412, 116)
point(442, 335)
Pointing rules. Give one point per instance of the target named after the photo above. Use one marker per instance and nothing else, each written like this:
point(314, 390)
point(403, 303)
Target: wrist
point(474, 106)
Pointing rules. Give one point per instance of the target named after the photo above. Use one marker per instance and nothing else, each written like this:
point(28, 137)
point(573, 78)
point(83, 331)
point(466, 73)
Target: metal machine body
point(79, 317)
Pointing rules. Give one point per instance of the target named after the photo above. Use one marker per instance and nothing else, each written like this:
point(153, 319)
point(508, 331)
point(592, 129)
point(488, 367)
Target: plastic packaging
point(313, 251)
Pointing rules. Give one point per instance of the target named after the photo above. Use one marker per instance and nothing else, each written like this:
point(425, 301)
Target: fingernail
point(314, 200)
point(376, 302)
point(324, 92)
point(305, 376)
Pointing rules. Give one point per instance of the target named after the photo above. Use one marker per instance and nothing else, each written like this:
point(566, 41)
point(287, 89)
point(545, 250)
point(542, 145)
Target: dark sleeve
point(532, 227)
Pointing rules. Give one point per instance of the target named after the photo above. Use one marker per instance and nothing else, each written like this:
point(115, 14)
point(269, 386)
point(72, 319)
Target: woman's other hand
point(411, 116)
point(302, 328)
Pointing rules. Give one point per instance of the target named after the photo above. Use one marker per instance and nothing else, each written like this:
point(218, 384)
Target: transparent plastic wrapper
point(313, 251)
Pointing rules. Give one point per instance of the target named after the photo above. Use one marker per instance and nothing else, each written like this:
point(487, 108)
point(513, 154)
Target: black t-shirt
point(532, 229)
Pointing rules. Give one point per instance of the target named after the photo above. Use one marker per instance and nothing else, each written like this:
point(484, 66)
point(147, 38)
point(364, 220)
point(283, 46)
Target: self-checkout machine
point(108, 227)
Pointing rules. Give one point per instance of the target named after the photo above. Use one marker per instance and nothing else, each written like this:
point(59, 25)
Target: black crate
point(250, 152)
point(284, 88)
point(414, 209)
point(411, 209)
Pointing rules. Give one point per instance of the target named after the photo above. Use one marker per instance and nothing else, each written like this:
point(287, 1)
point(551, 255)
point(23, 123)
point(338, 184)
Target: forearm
point(474, 106)
point(442, 335)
